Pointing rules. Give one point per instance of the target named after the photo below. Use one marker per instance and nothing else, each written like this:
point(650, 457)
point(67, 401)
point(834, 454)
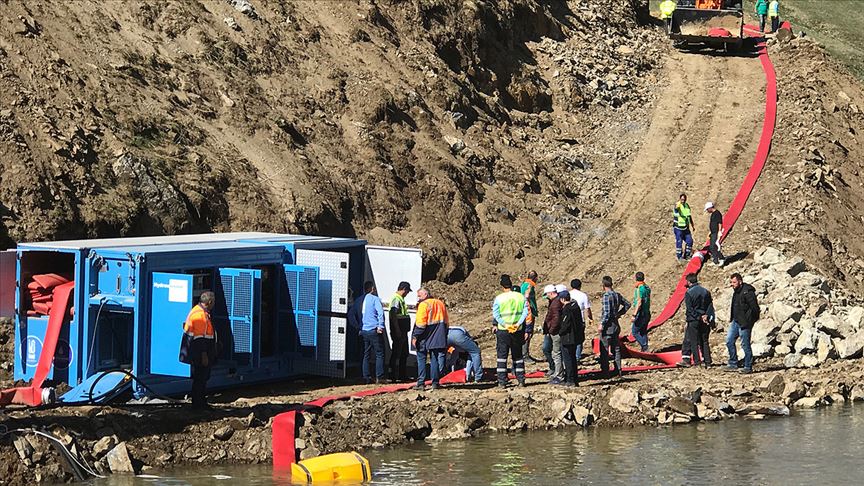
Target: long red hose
point(32, 395)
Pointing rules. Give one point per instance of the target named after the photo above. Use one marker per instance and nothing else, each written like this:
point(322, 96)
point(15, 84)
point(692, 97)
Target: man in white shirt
point(581, 298)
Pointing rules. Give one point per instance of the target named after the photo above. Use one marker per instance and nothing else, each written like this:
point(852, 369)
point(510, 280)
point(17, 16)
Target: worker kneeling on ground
point(202, 349)
point(429, 337)
point(509, 310)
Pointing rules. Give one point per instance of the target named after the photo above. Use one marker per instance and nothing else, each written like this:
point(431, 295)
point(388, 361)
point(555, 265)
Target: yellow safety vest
point(682, 215)
point(667, 7)
point(511, 305)
point(398, 302)
point(774, 9)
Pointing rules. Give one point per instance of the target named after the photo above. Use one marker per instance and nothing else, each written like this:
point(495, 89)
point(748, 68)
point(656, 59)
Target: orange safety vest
point(431, 311)
point(198, 324)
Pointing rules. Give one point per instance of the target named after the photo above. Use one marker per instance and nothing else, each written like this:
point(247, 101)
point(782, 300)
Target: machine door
point(333, 268)
point(387, 266)
point(301, 300)
point(170, 304)
point(241, 291)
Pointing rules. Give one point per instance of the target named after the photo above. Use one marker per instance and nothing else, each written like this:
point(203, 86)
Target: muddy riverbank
point(237, 430)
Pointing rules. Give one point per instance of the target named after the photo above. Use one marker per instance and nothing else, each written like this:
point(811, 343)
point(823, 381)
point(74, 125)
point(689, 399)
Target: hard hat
point(709, 205)
point(549, 288)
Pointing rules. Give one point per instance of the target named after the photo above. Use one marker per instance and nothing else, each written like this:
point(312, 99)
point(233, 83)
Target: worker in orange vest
point(202, 350)
point(429, 338)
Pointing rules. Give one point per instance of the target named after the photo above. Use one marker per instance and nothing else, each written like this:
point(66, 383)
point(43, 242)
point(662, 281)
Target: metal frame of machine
point(281, 308)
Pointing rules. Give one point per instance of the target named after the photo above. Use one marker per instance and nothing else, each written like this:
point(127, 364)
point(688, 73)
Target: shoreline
point(238, 431)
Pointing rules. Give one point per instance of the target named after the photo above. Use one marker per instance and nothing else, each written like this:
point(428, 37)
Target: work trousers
point(200, 375)
point(698, 341)
point(526, 346)
point(437, 359)
point(557, 359)
point(714, 248)
point(762, 23)
point(509, 343)
point(683, 236)
point(736, 331)
point(571, 363)
point(610, 346)
point(462, 341)
point(639, 329)
point(547, 353)
point(398, 360)
point(373, 342)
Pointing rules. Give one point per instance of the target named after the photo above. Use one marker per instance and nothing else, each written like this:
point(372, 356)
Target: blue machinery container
point(280, 312)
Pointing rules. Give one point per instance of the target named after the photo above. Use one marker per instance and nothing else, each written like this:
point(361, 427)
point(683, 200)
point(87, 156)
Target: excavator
point(712, 23)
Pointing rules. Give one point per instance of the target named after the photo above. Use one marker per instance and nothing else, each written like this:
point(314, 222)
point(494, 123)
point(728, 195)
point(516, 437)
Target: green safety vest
point(774, 9)
point(682, 215)
point(510, 306)
point(667, 8)
point(398, 302)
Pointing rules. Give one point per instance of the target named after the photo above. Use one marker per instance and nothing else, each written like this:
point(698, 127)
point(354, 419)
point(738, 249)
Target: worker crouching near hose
point(202, 349)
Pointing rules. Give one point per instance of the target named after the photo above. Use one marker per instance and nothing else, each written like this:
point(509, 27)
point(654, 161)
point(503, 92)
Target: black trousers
point(509, 343)
point(571, 364)
point(398, 359)
point(716, 255)
point(200, 375)
point(610, 346)
point(697, 339)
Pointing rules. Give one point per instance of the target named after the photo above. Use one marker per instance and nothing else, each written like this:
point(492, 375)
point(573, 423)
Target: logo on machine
point(32, 350)
point(62, 355)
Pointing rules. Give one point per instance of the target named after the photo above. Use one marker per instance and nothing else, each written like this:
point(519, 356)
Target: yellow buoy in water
point(349, 467)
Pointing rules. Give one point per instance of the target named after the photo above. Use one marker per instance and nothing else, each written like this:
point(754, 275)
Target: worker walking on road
point(715, 231)
point(744, 313)
point(529, 290)
point(774, 15)
point(642, 314)
point(372, 332)
point(683, 227)
point(509, 310)
point(614, 306)
point(400, 326)
point(584, 302)
point(762, 12)
point(699, 315)
point(202, 348)
point(667, 8)
point(429, 338)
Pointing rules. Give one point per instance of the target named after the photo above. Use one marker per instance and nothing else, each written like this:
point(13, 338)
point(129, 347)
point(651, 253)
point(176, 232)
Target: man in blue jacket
point(372, 332)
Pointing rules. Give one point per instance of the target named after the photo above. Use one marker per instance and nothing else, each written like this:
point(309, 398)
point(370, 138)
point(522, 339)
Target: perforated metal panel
point(331, 336)
point(239, 292)
point(333, 277)
point(302, 298)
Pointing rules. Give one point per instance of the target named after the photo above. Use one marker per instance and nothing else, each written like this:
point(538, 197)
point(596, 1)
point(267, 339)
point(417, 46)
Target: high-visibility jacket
point(198, 324)
point(430, 326)
point(510, 311)
point(667, 7)
point(762, 7)
point(681, 215)
point(397, 302)
point(774, 9)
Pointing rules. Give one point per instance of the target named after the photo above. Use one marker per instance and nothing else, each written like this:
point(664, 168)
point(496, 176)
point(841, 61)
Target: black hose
point(131, 376)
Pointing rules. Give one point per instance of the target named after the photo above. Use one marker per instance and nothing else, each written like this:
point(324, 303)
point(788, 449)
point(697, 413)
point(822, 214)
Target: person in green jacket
point(528, 289)
point(762, 12)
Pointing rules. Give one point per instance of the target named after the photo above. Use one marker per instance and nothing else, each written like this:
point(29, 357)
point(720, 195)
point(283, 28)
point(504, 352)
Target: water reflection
point(815, 447)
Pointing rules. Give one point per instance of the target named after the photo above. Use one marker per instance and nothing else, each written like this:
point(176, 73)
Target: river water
point(812, 447)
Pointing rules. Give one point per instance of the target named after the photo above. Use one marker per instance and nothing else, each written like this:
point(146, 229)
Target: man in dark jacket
point(700, 311)
point(614, 306)
point(572, 334)
point(400, 326)
point(744, 314)
point(551, 326)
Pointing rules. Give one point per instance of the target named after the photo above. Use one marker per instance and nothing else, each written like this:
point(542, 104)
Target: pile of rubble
point(804, 319)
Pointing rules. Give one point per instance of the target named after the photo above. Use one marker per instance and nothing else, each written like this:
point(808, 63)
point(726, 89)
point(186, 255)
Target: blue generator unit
point(281, 306)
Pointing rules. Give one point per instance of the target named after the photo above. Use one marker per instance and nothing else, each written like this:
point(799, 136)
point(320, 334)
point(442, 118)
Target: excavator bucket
point(709, 25)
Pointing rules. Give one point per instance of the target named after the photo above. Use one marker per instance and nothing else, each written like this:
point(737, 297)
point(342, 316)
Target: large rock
point(582, 416)
point(715, 403)
point(223, 433)
point(682, 405)
point(774, 385)
point(119, 460)
point(782, 312)
point(857, 393)
point(825, 349)
point(792, 267)
point(855, 318)
point(833, 326)
point(764, 331)
point(103, 445)
point(793, 391)
point(808, 279)
point(761, 350)
point(806, 342)
point(852, 346)
point(809, 361)
point(624, 399)
point(448, 430)
point(765, 408)
point(768, 256)
point(792, 360)
point(808, 402)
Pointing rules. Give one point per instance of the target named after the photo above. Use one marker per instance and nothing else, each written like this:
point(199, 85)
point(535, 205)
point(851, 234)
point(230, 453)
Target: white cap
point(548, 288)
point(560, 288)
point(709, 205)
